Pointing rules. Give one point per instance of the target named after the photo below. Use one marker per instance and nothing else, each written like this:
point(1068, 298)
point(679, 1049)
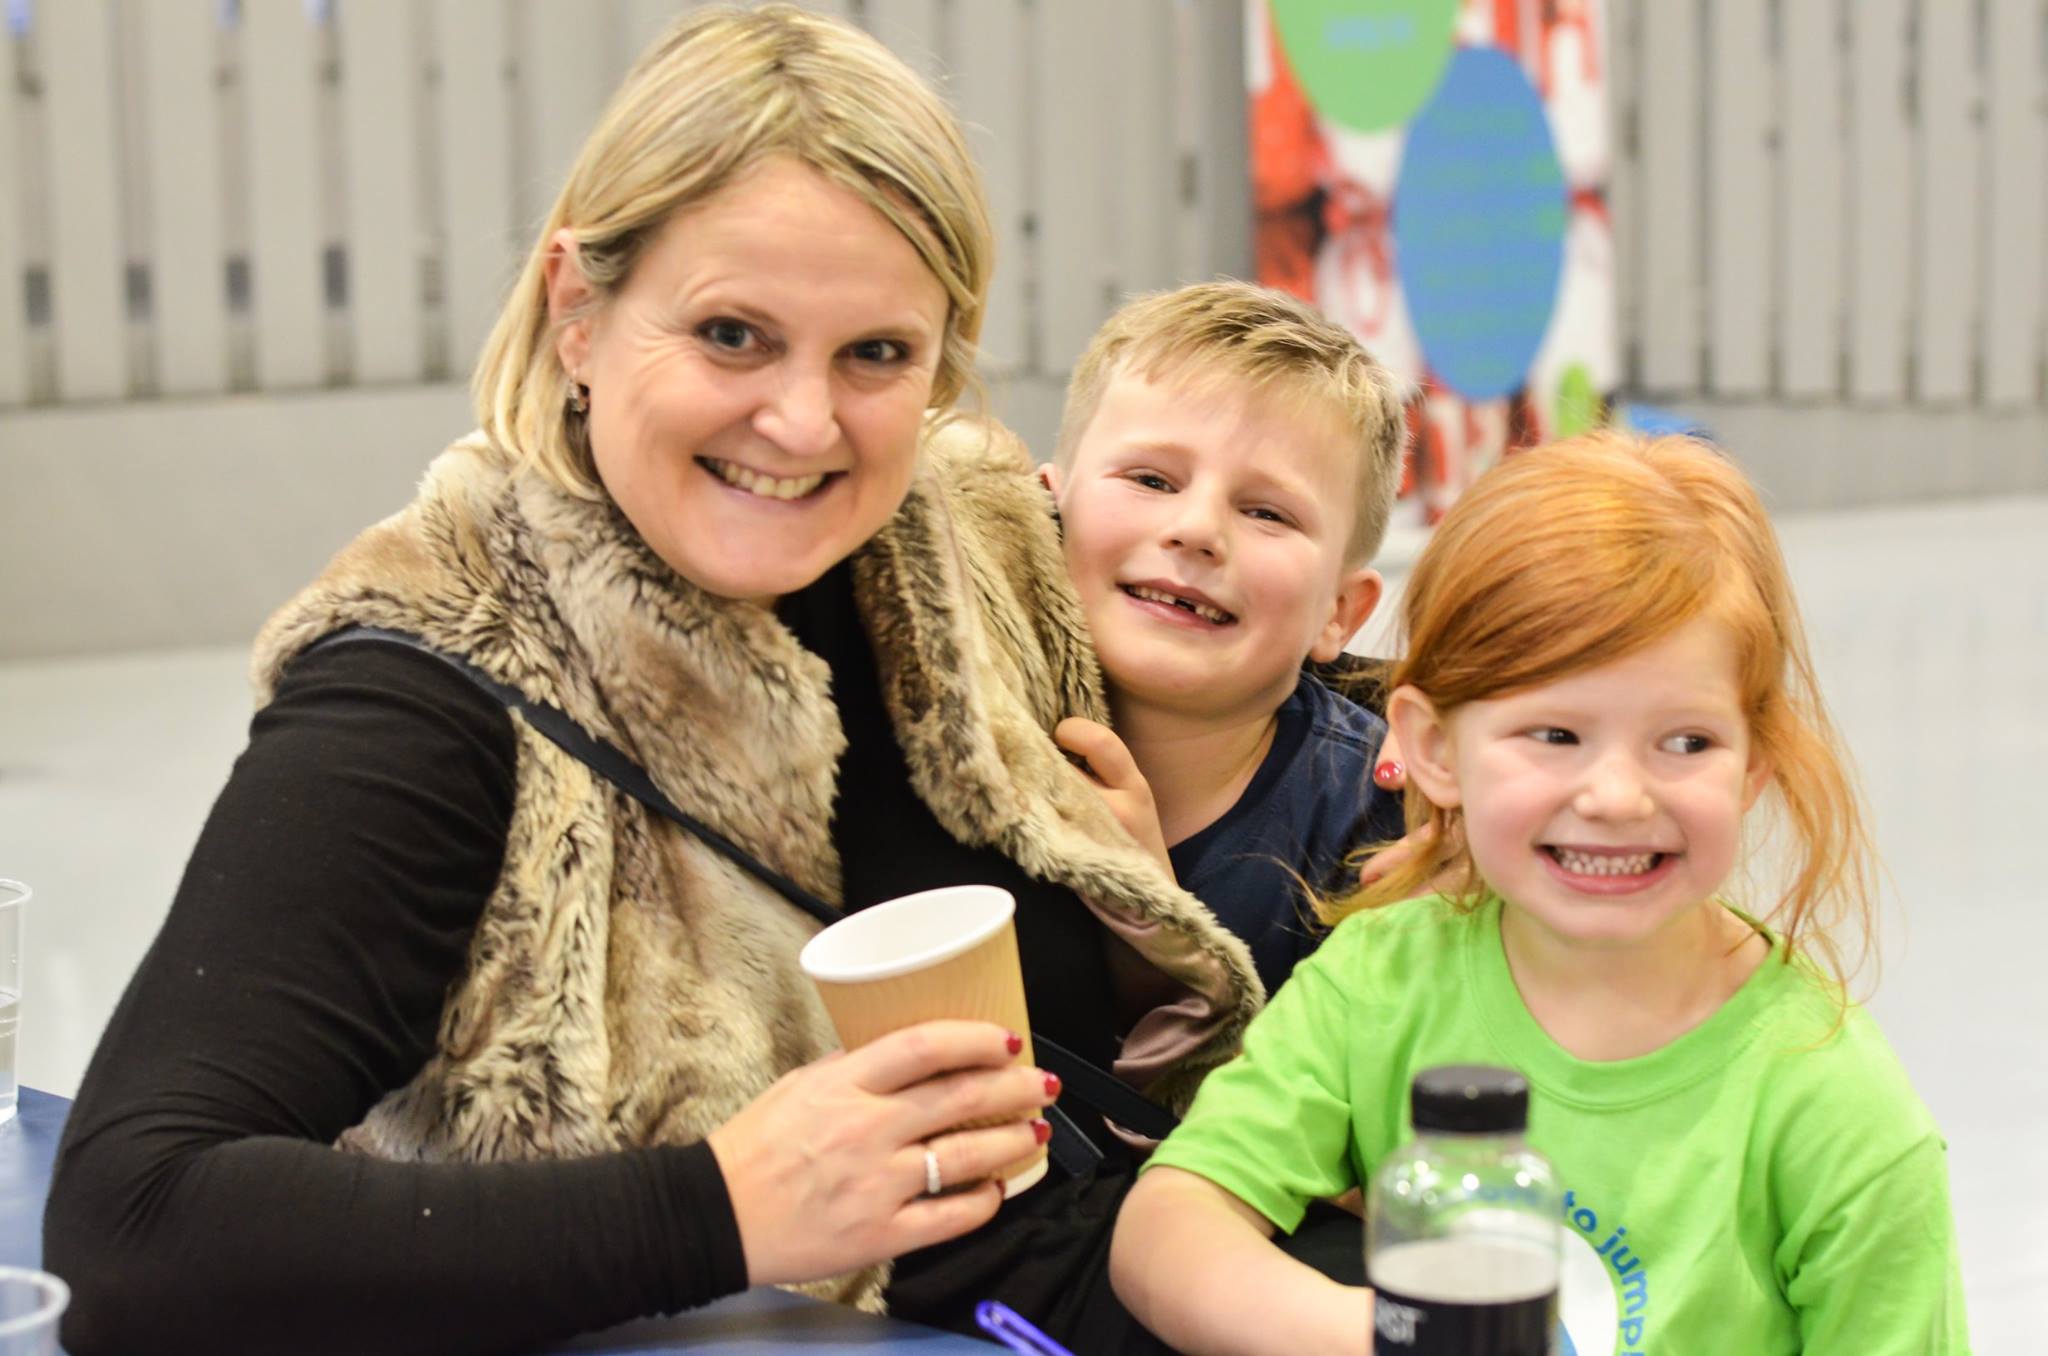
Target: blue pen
point(1014, 1331)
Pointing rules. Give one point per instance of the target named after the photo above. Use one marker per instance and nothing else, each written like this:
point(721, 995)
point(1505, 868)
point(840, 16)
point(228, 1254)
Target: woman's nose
point(1614, 789)
point(799, 415)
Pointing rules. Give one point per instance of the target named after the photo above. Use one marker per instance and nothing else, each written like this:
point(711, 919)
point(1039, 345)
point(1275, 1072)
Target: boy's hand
point(1108, 764)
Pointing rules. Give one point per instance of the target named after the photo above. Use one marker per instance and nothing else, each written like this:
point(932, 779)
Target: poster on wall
point(1433, 174)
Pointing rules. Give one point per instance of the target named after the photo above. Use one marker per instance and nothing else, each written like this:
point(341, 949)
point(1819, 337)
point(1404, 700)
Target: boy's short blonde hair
point(1224, 333)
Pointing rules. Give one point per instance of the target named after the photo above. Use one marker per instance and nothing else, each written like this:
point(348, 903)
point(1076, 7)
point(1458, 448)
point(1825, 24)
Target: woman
point(714, 512)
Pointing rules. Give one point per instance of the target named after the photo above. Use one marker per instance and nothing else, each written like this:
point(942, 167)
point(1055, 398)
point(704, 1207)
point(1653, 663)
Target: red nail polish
point(1042, 1129)
point(1387, 773)
point(1052, 1086)
point(1014, 1043)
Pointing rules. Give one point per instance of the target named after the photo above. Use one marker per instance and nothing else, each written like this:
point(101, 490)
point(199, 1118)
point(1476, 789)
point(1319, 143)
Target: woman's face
point(757, 386)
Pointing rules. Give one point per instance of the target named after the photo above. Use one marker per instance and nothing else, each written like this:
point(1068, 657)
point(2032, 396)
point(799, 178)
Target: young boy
point(1225, 467)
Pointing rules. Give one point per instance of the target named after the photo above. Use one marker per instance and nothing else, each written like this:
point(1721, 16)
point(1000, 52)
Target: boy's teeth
point(1604, 863)
point(1202, 610)
point(766, 486)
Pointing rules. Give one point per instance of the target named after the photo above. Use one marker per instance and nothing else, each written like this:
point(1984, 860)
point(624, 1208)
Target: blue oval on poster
point(1479, 218)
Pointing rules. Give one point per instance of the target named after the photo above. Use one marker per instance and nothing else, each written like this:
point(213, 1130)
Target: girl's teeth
point(1604, 864)
point(1203, 611)
point(766, 486)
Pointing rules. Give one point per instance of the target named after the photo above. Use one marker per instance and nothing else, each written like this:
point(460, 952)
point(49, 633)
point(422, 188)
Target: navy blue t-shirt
point(1311, 802)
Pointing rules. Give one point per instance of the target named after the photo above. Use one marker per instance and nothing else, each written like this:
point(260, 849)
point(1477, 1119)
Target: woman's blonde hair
point(723, 90)
point(1574, 555)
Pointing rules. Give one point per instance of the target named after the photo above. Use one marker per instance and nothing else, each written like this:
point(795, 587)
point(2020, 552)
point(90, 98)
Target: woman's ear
point(568, 301)
point(1425, 745)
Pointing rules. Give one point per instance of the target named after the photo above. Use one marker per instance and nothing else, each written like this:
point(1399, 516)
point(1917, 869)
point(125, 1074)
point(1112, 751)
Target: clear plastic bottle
point(1462, 1234)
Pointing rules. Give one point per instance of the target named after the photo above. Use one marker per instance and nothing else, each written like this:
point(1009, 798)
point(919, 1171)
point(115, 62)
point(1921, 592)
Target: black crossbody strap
point(1082, 1078)
point(601, 756)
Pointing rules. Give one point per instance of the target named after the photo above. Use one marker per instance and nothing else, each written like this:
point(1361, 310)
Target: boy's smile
point(1205, 531)
point(1177, 604)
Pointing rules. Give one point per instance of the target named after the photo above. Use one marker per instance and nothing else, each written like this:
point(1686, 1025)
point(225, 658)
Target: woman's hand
point(826, 1169)
point(1110, 766)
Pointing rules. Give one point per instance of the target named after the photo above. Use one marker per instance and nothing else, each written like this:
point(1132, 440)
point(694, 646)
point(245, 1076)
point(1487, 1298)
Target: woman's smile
point(761, 485)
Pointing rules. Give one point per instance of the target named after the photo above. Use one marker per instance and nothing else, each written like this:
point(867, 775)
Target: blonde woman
point(716, 513)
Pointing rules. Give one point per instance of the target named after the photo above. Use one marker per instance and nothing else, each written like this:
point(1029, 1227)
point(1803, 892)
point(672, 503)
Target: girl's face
point(758, 384)
point(1608, 805)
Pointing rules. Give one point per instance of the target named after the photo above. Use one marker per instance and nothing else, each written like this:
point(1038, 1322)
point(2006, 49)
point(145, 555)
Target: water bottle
point(1462, 1234)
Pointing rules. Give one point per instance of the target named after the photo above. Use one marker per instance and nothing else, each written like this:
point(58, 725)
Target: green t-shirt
point(1765, 1183)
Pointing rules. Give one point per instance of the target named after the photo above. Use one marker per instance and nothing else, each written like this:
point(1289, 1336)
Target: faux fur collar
point(981, 650)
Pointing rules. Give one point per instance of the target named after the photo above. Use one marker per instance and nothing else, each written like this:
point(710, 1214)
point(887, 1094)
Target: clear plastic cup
point(13, 894)
point(31, 1302)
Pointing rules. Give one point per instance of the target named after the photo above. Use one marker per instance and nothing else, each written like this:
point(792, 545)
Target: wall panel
point(1811, 187)
point(1881, 196)
point(187, 194)
point(381, 86)
point(77, 42)
point(287, 233)
point(1741, 276)
point(2015, 274)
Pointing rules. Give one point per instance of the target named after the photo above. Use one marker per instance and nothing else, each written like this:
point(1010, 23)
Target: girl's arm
point(1879, 1274)
point(1198, 1267)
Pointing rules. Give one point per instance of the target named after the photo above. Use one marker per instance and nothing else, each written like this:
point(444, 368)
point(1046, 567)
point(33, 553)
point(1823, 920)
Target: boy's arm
point(1198, 1267)
point(1115, 773)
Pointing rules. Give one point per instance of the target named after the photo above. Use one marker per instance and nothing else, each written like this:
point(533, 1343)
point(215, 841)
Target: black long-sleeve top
point(300, 975)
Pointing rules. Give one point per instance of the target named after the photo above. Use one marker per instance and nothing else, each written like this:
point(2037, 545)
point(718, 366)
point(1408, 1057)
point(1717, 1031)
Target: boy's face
point(1205, 532)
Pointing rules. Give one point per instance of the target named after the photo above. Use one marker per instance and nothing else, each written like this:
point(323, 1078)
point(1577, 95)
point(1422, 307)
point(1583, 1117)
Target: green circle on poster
point(1578, 404)
point(1366, 64)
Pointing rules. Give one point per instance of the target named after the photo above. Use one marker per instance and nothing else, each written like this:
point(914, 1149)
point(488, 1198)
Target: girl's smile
point(1609, 871)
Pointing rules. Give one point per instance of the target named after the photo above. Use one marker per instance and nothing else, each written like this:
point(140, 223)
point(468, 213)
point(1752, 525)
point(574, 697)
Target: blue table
point(757, 1321)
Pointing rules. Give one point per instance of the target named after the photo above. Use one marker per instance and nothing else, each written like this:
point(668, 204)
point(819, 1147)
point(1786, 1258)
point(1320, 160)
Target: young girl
point(1605, 672)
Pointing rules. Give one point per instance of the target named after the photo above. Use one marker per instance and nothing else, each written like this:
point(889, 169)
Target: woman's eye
point(880, 351)
point(1553, 734)
point(1687, 743)
point(732, 335)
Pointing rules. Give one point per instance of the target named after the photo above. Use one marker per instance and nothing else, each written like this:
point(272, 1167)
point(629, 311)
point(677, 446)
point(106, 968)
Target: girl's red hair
point(1570, 556)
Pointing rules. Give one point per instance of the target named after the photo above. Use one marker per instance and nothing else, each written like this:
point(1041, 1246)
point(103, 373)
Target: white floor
point(1931, 629)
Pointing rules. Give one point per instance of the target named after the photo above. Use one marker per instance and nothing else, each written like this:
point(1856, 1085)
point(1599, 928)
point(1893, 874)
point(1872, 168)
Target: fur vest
point(626, 984)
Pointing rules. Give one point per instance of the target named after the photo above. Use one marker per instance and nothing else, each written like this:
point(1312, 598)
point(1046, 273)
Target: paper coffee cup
point(946, 953)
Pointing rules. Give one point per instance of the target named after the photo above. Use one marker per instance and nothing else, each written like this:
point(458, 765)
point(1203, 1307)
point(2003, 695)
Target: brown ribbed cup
point(946, 953)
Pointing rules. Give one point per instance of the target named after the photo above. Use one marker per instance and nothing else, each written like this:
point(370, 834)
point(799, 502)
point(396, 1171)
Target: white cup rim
point(56, 1298)
point(13, 892)
point(998, 904)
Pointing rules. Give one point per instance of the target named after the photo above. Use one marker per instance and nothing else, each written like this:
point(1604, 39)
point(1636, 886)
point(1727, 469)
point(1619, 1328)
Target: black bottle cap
point(1470, 1099)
